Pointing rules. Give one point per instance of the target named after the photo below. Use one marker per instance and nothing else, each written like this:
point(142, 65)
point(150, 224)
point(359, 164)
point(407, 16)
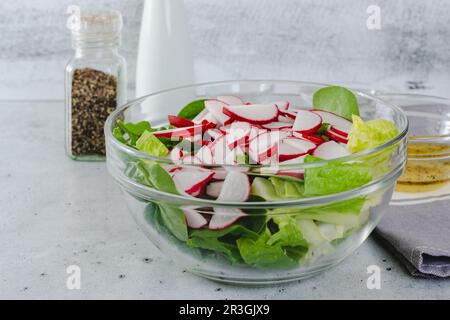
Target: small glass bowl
point(350, 215)
point(427, 173)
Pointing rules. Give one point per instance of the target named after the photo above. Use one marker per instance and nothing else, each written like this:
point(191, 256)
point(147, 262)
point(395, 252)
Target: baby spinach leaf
point(175, 221)
point(191, 110)
point(337, 100)
point(134, 130)
point(157, 176)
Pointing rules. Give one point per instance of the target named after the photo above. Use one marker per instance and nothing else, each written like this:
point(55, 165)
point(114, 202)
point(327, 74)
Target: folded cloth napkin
point(420, 235)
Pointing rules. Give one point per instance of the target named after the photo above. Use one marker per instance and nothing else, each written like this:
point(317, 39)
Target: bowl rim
point(139, 154)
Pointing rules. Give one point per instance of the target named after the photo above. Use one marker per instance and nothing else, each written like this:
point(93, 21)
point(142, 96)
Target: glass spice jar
point(95, 83)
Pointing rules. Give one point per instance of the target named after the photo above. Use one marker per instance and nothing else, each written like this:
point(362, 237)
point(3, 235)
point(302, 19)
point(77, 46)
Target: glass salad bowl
point(298, 218)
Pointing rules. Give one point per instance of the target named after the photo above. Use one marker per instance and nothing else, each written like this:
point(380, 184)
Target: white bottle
point(165, 54)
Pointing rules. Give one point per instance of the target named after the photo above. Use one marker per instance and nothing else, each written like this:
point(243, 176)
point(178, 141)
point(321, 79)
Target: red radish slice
point(307, 122)
point(212, 133)
point(176, 155)
point(203, 116)
point(285, 119)
point(180, 132)
point(213, 189)
point(338, 122)
point(336, 137)
point(338, 131)
point(180, 122)
point(330, 150)
point(224, 217)
point(191, 181)
point(238, 133)
point(298, 160)
point(277, 125)
point(264, 146)
point(194, 219)
point(231, 100)
point(232, 156)
point(236, 187)
point(291, 148)
point(220, 174)
point(205, 156)
point(282, 105)
point(289, 114)
point(191, 160)
point(256, 113)
point(216, 107)
point(314, 138)
point(219, 149)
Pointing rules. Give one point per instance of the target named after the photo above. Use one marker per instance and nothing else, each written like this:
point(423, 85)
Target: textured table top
point(56, 213)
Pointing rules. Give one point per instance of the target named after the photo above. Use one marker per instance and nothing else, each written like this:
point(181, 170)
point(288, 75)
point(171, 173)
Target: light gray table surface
point(56, 212)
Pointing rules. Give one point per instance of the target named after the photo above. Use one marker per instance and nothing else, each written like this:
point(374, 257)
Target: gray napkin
point(420, 235)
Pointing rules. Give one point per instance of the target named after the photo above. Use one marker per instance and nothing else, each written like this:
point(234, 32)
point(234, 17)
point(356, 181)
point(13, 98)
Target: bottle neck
point(96, 46)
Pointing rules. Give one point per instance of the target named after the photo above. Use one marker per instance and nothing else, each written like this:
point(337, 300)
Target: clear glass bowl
point(334, 224)
point(427, 173)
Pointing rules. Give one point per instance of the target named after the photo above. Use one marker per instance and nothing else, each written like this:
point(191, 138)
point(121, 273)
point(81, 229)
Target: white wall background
point(320, 40)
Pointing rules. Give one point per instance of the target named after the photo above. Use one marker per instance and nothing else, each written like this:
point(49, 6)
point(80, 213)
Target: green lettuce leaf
point(288, 233)
point(132, 130)
point(337, 100)
point(259, 254)
point(335, 177)
point(369, 134)
point(287, 189)
point(151, 145)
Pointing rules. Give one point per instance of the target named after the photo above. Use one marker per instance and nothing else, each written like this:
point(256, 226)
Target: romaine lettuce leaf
point(151, 145)
point(369, 134)
point(259, 254)
point(288, 233)
point(335, 177)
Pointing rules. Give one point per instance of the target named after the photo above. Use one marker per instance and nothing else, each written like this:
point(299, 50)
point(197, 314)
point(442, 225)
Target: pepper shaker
point(95, 83)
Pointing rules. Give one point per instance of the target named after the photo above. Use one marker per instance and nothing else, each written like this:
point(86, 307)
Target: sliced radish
point(213, 189)
point(220, 174)
point(205, 156)
point(176, 155)
point(282, 105)
point(194, 219)
point(180, 122)
point(238, 133)
point(307, 122)
point(256, 113)
point(236, 187)
point(264, 146)
point(205, 116)
point(216, 107)
point(231, 100)
point(291, 148)
point(314, 138)
point(191, 180)
point(286, 119)
point(338, 131)
point(224, 217)
point(219, 149)
point(289, 114)
point(277, 125)
point(232, 156)
point(330, 150)
point(339, 123)
point(212, 133)
point(191, 160)
point(336, 137)
point(181, 132)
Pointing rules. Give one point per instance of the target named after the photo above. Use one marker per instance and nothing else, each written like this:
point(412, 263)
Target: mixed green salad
point(210, 140)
